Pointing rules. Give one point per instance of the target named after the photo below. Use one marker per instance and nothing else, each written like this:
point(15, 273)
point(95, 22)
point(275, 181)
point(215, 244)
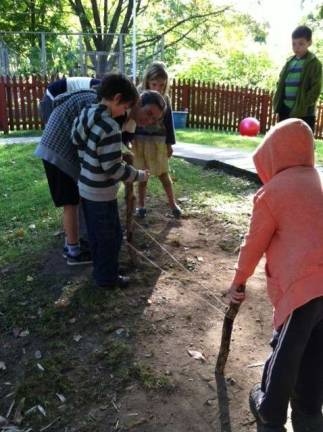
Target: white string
point(222, 304)
point(176, 260)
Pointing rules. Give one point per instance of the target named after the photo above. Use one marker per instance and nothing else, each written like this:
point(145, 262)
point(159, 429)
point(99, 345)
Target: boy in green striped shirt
point(299, 85)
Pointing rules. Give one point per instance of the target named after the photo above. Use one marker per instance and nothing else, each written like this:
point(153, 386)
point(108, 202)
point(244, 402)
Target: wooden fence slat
point(36, 121)
point(29, 101)
point(22, 101)
point(15, 103)
point(3, 106)
point(213, 106)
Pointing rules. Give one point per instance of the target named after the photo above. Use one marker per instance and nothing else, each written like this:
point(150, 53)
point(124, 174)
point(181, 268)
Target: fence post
point(186, 96)
point(3, 107)
point(43, 53)
point(264, 115)
point(121, 53)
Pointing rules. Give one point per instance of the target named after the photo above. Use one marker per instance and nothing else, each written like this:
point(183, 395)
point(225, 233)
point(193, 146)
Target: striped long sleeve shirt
point(98, 140)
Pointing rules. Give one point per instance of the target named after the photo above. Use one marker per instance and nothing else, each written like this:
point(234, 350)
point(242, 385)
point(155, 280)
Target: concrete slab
point(20, 140)
point(233, 161)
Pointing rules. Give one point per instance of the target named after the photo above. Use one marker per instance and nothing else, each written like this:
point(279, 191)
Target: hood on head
point(288, 144)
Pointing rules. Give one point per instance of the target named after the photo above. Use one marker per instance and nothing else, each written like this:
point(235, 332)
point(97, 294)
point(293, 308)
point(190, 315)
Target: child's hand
point(146, 176)
point(169, 150)
point(236, 295)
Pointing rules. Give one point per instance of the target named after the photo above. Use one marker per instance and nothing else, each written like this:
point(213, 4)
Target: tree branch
point(79, 11)
point(179, 23)
point(108, 40)
point(105, 16)
point(96, 16)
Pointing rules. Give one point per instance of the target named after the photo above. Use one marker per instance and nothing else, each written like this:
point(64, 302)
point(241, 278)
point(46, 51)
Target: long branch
point(96, 16)
point(190, 18)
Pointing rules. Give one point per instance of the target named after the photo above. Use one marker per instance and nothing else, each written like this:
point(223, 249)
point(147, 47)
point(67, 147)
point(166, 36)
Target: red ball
point(249, 126)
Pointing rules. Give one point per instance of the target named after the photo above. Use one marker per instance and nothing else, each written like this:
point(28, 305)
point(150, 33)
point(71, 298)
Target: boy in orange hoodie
point(287, 226)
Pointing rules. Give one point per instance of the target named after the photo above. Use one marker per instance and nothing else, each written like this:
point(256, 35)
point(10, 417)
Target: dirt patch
point(119, 361)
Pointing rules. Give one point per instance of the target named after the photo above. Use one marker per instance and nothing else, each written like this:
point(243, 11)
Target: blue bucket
point(180, 119)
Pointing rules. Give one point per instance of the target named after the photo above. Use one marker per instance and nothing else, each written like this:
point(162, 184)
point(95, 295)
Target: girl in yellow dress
point(152, 145)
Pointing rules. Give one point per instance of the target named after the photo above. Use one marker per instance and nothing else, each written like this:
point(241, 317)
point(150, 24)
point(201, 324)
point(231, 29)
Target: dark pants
point(62, 187)
point(105, 237)
point(284, 114)
point(294, 371)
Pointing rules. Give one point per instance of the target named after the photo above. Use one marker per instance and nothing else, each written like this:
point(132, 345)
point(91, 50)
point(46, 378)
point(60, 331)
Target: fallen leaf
point(24, 333)
point(61, 397)
point(196, 355)
point(20, 233)
point(62, 303)
point(29, 278)
point(77, 338)
point(32, 226)
point(18, 417)
point(38, 355)
point(3, 365)
point(40, 367)
point(41, 410)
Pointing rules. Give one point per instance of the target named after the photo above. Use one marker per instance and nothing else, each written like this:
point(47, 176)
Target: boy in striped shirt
point(98, 138)
point(299, 85)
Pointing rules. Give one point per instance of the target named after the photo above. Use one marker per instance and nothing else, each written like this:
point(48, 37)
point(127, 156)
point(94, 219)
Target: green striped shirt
point(293, 80)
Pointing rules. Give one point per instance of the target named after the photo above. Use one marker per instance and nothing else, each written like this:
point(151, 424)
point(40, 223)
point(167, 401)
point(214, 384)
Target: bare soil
point(121, 359)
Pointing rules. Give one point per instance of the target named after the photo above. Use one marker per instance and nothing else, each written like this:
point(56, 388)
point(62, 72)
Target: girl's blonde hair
point(155, 71)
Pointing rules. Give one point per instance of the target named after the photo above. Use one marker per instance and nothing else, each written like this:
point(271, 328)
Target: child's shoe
point(82, 258)
point(255, 398)
point(84, 247)
point(177, 212)
point(141, 212)
point(121, 282)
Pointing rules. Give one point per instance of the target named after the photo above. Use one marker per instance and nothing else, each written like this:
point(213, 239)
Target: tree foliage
point(161, 24)
point(24, 18)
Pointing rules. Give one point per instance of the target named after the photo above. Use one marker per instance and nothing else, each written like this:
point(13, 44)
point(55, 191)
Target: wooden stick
point(130, 207)
point(227, 327)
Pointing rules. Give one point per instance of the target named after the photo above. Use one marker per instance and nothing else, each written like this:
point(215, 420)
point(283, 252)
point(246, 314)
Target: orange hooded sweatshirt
point(287, 220)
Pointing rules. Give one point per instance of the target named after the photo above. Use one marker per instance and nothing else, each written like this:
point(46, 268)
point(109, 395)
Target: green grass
point(217, 139)
point(28, 218)
point(27, 215)
point(231, 140)
point(22, 133)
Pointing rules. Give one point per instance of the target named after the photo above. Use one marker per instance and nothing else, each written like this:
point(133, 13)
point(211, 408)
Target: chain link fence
point(73, 54)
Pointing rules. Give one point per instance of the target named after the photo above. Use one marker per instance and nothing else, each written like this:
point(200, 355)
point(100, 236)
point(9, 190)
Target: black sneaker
point(177, 212)
point(121, 282)
point(83, 258)
point(141, 212)
point(255, 398)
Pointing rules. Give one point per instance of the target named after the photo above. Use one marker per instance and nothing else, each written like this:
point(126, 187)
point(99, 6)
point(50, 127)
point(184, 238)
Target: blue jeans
point(105, 237)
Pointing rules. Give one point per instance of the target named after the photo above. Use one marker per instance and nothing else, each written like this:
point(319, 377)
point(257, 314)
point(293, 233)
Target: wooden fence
point(209, 106)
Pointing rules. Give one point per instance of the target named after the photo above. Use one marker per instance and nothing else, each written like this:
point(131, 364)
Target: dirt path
point(131, 370)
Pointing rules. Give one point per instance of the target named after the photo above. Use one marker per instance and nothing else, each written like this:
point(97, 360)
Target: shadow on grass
point(82, 352)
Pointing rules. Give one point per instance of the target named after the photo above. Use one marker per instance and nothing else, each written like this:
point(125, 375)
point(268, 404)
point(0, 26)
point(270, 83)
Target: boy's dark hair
point(302, 32)
point(117, 83)
point(152, 97)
